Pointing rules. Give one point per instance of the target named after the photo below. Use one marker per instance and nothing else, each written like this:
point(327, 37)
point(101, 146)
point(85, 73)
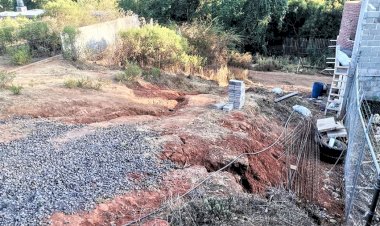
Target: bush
point(152, 74)
point(222, 76)
point(69, 36)
point(20, 55)
point(83, 83)
point(81, 13)
point(16, 89)
point(157, 46)
point(243, 60)
point(40, 38)
point(210, 41)
point(268, 64)
point(9, 31)
point(132, 71)
point(6, 79)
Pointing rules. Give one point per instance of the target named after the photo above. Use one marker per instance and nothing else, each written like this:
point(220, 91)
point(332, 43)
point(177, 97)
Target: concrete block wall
point(369, 51)
point(95, 39)
point(349, 24)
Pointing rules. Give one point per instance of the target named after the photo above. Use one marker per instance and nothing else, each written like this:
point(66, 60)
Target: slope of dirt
point(199, 139)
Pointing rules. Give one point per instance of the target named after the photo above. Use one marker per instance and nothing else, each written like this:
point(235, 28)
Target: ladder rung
point(334, 46)
point(336, 95)
point(333, 40)
point(330, 69)
point(332, 109)
point(330, 62)
point(343, 67)
point(338, 73)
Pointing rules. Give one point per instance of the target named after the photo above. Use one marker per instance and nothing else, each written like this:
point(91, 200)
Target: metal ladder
point(331, 60)
point(338, 87)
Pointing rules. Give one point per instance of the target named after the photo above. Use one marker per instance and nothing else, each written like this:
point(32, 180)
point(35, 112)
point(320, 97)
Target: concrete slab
point(326, 124)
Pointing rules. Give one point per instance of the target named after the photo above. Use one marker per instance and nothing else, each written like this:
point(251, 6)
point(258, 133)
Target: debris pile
point(332, 136)
point(330, 128)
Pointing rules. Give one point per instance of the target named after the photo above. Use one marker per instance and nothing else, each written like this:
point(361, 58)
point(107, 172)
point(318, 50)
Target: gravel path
point(39, 177)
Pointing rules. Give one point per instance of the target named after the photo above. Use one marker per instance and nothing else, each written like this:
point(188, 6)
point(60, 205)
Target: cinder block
point(228, 107)
point(218, 106)
point(373, 43)
point(372, 14)
point(368, 37)
point(369, 26)
point(365, 59)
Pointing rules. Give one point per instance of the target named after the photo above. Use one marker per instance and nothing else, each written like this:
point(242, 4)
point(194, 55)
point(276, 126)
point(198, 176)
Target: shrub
point(154, 45)
point(16, 89)
point(239, 74)
point(9, 31)
point(83, 83)
point(20, 55)
point(40, 38)
point(210, 41)
point(152, 74)
point(70, 83)
point(222, 76)
point(267, 64)
point(155, 72)
point(132, 71)
point(81, 13)
point(69, 36)
point(6, 79)
point(243, 60)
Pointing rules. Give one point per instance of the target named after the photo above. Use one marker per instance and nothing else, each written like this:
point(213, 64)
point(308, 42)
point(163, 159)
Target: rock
point(277, 91)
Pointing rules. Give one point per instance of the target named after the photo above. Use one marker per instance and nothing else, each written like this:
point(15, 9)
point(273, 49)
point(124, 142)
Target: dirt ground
point(199, 139)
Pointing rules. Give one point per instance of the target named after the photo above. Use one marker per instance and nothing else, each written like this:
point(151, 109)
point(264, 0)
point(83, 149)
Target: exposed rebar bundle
point(302, 160)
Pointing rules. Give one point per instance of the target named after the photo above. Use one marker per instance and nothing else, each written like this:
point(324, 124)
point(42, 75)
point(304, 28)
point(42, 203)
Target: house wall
point(350, 17)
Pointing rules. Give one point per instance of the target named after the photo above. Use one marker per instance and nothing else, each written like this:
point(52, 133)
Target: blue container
point(317, 89)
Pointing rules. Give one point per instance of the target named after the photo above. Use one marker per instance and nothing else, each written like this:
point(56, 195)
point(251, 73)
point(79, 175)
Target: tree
point(258, 16)
point(6, 5)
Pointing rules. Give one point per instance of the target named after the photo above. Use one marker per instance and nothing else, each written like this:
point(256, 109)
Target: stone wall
point(349, 24)
point(94, 40)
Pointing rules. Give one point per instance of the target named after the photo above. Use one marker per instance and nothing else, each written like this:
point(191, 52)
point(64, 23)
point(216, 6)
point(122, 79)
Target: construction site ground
point(172, 138)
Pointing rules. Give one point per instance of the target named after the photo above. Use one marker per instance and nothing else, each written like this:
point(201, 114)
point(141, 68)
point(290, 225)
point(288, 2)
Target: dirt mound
point(243, 134)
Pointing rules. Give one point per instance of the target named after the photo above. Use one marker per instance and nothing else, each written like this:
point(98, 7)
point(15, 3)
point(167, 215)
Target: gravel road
point(39, 177)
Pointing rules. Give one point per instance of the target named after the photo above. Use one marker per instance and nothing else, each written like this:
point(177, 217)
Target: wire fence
point(361, 167)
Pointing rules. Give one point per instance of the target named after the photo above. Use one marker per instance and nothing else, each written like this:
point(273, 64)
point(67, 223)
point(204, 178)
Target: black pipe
point(374, 202)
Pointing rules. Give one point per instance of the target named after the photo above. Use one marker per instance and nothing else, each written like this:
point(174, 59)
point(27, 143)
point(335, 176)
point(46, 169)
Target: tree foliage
point(258, 22)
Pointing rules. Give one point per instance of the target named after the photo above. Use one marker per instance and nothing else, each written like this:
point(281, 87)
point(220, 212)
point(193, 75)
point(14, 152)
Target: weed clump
point(132, 72)
point(20, 55)
point(83, 83)
point(268, 64)
point(16, 89)
point(152, 74)
point(6, 79)
point(241, 60)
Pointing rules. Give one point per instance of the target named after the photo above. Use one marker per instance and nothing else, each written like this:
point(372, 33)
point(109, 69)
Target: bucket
point(317, 89)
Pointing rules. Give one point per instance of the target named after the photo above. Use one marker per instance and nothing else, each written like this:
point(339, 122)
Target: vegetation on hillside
point(259, 22)
point(193, 34)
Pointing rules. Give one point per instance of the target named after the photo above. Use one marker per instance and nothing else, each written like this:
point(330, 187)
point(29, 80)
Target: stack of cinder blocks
point(236, 95)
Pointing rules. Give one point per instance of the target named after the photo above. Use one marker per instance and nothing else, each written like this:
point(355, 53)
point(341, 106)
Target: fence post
point(375, 199)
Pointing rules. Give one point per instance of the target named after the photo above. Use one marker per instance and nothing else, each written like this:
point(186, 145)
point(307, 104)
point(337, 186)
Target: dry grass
point(279, 208)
